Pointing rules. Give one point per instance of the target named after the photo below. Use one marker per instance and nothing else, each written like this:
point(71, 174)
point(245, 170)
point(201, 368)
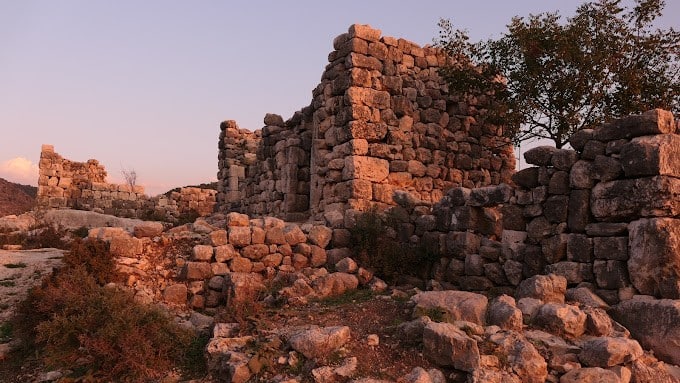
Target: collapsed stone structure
point(382, 119)
point(604, 214)
point(382, 130)
point(63, 183)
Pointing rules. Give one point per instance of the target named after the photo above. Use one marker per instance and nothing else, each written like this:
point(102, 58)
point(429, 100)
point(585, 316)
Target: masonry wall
point(381, 120)
point(64, 183)
point(604, 214)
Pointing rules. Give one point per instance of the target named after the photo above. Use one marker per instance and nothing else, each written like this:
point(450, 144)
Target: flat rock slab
point(75, 219)
point(21, 270)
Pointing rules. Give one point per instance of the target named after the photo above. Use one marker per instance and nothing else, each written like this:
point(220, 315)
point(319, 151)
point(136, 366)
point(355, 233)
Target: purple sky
point(143, 85)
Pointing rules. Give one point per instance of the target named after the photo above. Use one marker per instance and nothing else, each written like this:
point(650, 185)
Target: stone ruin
point(63, 183)
point(381, 120)
point(382, 131)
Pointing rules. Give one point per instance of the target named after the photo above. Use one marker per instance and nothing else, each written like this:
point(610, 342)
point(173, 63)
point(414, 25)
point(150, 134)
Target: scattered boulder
point(548, 288)
point(447, 345)
point(522, 357)
point(607, 352)
point(560, 319)
point(451, 305)
point(318, 342)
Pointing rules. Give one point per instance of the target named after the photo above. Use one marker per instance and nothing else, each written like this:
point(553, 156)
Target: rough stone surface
point(654, 262)
point(456, 305)
point(446, 345)
point(654, 323)
point(561, 319)
point(607, 352)
point(319, 342)
point(548, 288)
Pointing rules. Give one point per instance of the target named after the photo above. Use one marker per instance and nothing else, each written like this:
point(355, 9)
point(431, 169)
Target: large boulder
point(561, 319)
point(334, 284)
point(447, 345)
point(21, 222)
point(451, 305)
point(522, 357)
point(318, 342)
point(654, 257)
point(654, 323)
point(607, 352)
point(548, 288)
point(621, 200)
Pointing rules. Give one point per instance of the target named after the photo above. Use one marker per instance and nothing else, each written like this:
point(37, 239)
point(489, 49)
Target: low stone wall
point(82, 185)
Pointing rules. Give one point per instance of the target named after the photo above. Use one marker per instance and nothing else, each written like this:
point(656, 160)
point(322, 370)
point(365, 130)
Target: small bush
point(19, 265)
point(81, 232)
point(76, 323)
point(44, 237)
point(390, 259)
point(94, 256)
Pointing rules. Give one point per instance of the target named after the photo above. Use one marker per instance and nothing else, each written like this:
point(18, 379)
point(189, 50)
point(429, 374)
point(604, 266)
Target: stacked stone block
point(82, 185)
point(604, 214)
point(263, 247)
point(381, 120)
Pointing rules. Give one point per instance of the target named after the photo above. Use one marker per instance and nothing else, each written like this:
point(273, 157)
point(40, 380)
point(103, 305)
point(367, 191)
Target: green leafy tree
point(551, 77)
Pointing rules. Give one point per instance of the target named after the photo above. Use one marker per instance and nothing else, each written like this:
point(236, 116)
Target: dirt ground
point(19, 271)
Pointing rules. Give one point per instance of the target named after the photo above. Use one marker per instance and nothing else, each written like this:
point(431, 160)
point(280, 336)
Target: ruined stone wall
point(64, 183)
point(604, 214)
point(381, 120)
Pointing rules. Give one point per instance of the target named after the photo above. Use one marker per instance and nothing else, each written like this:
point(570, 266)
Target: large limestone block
point(454, 305)
point(364, 31)
point(239, 236)
point(654, 323)
point(561, 319)
point(621, 200)
point(75, 219)
point(522, 357)
point(607, 352)
point(320, 342)
point(548, 288)
point(446, 345)
point(654, 256)
point(655, 121)
point(365, 168)
point(652, 155)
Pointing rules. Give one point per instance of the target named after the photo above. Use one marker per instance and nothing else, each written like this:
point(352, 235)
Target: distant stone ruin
point(381, 120)
point(63, 183)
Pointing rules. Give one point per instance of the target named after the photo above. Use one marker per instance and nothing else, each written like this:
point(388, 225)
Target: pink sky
point(143, 85)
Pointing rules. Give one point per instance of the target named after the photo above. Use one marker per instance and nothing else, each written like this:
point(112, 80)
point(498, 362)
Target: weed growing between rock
point(377, 248)
point(77, 321)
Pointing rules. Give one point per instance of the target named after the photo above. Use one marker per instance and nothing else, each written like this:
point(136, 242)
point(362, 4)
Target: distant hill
point(16, 198)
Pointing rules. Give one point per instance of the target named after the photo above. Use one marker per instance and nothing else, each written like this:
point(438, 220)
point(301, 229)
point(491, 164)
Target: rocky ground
point(336, 323)
point(19, 271)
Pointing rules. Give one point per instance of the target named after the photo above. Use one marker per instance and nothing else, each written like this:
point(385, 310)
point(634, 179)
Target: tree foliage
point(552, 77)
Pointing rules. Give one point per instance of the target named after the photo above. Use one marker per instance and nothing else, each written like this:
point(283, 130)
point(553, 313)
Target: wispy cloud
point(19, 170)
